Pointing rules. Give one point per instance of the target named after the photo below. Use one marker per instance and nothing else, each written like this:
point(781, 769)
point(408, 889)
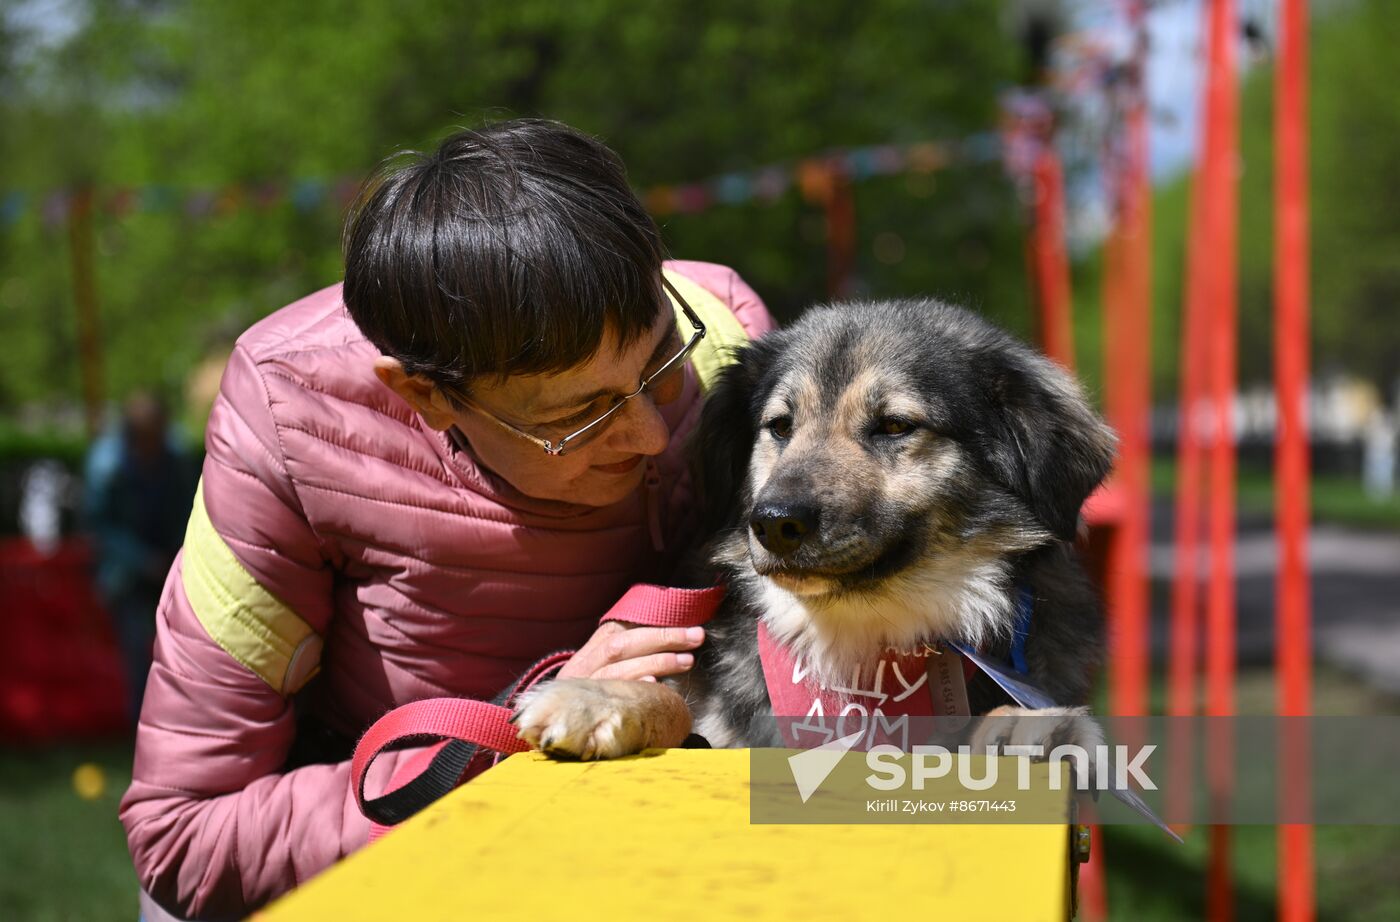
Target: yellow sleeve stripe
point(723, 332)
point(248, 622)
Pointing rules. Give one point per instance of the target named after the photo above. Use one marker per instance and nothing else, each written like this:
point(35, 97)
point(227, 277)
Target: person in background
point(138, 486)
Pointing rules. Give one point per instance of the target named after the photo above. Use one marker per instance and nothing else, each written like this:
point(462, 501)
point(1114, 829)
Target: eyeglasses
point(650, 385)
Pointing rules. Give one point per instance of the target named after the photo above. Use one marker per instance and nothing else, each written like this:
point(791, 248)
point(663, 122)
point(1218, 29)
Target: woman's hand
point(616, 651)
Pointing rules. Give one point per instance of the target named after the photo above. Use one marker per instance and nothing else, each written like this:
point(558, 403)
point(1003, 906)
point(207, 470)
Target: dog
point(879, 475)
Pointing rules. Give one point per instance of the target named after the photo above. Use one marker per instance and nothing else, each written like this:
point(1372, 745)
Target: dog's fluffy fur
point(926, 466)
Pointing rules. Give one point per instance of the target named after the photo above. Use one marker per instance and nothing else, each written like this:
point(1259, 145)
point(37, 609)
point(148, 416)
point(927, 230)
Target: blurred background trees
point(223, 139)
point(1355, 152)
point(283, 100)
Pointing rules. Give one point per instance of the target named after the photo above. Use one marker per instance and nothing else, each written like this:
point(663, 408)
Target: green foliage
point(1335, 499)
point(1355, 146)
point(207, 93)
point(17, 444)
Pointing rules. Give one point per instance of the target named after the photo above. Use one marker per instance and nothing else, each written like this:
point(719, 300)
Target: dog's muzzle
point(782, 527)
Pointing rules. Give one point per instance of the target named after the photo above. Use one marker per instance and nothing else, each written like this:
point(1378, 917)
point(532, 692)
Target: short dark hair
point(508, 250)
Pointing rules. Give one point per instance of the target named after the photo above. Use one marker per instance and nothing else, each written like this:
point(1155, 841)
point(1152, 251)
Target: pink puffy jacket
point(338, 538)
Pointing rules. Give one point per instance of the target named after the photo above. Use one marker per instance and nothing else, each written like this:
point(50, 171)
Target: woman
point(418, 485)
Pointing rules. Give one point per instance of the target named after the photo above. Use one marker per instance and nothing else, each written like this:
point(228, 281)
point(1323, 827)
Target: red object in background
point(60, 672)
point(1128, 366)
point(1294, 619)
point(1049, 257)
point(1093, 883)
point(1103, 518)
point(1221, 179)
point(840, 206)
point(1218, 251)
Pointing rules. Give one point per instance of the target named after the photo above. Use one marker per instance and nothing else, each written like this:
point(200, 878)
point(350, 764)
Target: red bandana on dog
point(926, 682)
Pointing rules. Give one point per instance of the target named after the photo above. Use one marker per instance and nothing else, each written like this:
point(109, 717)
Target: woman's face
point(605, 469)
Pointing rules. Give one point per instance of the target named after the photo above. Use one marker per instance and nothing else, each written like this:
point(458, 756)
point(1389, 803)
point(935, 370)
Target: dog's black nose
point(782, 527)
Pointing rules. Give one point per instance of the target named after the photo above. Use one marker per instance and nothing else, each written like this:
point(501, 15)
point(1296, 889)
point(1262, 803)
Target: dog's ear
point(725, 437)
point(1047, 445)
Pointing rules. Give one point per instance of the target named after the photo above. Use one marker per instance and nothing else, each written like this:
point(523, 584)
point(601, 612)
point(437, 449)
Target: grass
point(1335, 694)
point(1151, 879)
point(1336, 499)
point(63, 857)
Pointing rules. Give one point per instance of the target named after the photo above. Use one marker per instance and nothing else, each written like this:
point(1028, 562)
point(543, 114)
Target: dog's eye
point(893, 426)
point(781, 428)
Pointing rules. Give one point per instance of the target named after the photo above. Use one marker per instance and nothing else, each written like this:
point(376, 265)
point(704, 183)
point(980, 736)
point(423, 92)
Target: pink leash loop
point(488, 725)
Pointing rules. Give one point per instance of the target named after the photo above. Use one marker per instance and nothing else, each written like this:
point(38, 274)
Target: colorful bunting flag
point(814, 177)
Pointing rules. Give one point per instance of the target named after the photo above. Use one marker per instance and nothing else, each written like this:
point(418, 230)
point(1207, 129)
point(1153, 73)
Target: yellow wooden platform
point(667, 836)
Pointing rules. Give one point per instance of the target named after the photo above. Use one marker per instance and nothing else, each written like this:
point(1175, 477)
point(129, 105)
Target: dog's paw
point(600, 718)
point(1046, 729)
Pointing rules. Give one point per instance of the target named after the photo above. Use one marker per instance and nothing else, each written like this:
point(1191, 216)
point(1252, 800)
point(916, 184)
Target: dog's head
point(869, 438)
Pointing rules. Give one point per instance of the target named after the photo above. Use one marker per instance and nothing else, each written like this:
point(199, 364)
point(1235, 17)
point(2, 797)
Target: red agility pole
point(1184, 650)
point(1049, 257)
point(1221, 181)
point(1093, 883)
point(1126, 298)
point(1220, 203)
point(1127, 319)
point(840, 235)
point(1183, 698)
point(1293, 626)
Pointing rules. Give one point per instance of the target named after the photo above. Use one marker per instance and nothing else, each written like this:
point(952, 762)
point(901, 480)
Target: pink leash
point(458, 724)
